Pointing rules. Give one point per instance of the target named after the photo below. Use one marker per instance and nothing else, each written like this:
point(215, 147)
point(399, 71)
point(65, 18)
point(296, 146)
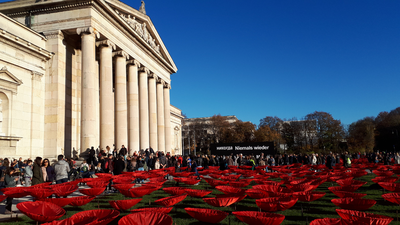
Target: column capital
point(144, 69)
point(161, 81)
point(107, 43)
point(121, 53)
point(88, 30)
point(152, 76)
point(54, 34)
point(166, 85)
point(133, 62)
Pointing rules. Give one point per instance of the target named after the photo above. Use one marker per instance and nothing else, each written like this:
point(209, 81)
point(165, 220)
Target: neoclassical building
point(82, 73)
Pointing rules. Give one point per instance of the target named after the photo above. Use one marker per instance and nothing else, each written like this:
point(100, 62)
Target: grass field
point(322, 208)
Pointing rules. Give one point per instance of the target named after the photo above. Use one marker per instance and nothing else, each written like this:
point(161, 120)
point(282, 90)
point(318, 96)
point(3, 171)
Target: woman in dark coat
point(49, 170)
point(10, 182)
point(37, 172)
point(119, 165)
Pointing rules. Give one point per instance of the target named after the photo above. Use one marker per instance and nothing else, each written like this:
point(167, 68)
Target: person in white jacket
point(314, 160)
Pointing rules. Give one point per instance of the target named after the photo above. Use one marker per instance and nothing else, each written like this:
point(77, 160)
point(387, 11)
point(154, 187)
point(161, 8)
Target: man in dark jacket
point(119, 165)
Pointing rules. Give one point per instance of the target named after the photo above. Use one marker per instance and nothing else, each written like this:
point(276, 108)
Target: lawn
point(322, 208)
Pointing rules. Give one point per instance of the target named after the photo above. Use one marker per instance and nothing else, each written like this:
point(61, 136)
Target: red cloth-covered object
point(97, 184)
point(103, 175)
point(385, 179)
point(81, 200)
point(230, 190)
point(257, 193)
point(266, 187)
point(170, 201)
point(100, 216)
point(394, 187)
point(350, 182)
point(15, 192)
point(302, 187)
point(358, 217)
point(381, 173)
point(190, 181)
point(207, 215)
point(221, 201)
point(215, 183)
point(392, 197)
point(39, 193)
point(140, 191)
point(239, 184)
point(308, 196)
point(92, 191)
point(330, 221)
point(276, 203)
point(146, 218)
point(64, 190)
point(59, 201)
point(165, 210)
point(2, 197)
point(197, 192)
point(41, 211)
point(345, 194)
point(351, 188)
point(241, 196)
point(174, 190)
point(354, 203)
point(259, 218)
point(123, 186)
point(122, 205)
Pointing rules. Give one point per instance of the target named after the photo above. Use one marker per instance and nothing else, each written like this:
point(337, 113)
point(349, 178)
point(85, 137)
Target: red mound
point(329, 221)
point(350, 182)
point(81, 200)
point(302, 187)
point(64, 190)
point(146, 218)
point(197, 193)
point(59, 201)
point(354, 203)
point(345, 194)
point(15, 192)
point(41, 211)
point(123, 186)
point(221, 201)
point(230, 190)
point(259, 218)
point(385, 179)
point(92, 191)
point(276, 203)
point(308, 196)
point(381, 173)
point(165, 210)
point(394, 187)
point(257, 193)
point(102, 216)
point(122, 205)
point(351, 188)
point(207, 215)
point(215, 183)
point(363, 218)
point(39, 193)
point(392, 197)
point(266, 187)
point(170, 201)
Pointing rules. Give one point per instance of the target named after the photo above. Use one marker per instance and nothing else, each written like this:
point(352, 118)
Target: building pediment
point(8, 80)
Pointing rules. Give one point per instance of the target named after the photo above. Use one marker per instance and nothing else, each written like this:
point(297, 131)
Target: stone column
point(167, 119)
point(160, 115)
point(143, 108)
point(153, 110)
point(121, 106)
point(106, 94)
point(88, 92)
point(133, 107)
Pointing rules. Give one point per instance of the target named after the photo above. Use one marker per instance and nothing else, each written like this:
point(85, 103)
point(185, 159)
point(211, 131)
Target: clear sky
point(281, 58)
point(284, 58)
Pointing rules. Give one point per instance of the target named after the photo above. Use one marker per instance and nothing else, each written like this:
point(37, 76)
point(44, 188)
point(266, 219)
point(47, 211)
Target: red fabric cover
point(39, 193)
point(257, 193)
point(174, 190)
point(239, 184)
point(215, 183)
point(266, 187)
point(230, 177)
point(140, 191)
point(394, 187)
point(345, 194)
point(190, 181)
point(122, 205)
point(230, 190)
point(302, 187)
point(123, 186)
point(146, 218)
point(308, 196)
point(350, 182)
point(41, 211)
point(363, 218)
point(15, 192)
point(64, 190)
point(104, 175)
point(354, 203)
point(241, 196)
point(385, 179)
point(170, 201)
point(92, 191)
point(392, 197)
point(276, 203)
point(84, 180)
point(207, 215)
point(81, 200)
point(381, 173)
point(351, 188)
point(268, 182)
point(259, 218)
point(101, 216)
point(197, 192)
point(221, 201)
point(97, 184)
point(165, 210)
point(2, 198)
point(59, 201)
point(330, 221)
point(215, 176)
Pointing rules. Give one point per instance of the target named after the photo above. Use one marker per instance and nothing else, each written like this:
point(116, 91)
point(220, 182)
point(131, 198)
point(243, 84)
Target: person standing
point(119, 165)
point(37, 177)
point(61, 169)
point(28, 173)
point(10, 182)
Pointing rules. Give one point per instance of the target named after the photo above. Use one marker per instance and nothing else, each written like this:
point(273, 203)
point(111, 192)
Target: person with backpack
point(61, 169)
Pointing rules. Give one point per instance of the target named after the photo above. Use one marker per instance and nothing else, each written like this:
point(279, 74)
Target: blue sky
point(281, 58)
point(284, 58)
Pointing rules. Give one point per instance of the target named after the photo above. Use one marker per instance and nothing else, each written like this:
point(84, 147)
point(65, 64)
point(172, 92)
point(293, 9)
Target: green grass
point(322, 208)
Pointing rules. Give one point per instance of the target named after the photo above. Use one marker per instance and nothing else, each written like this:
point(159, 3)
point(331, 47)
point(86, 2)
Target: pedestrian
point(28, 173)
point(10, 182)
point(37, 171)
point(61, 169)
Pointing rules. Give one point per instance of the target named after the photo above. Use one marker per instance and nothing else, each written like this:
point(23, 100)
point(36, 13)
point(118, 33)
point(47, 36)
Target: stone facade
point(82, 74)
